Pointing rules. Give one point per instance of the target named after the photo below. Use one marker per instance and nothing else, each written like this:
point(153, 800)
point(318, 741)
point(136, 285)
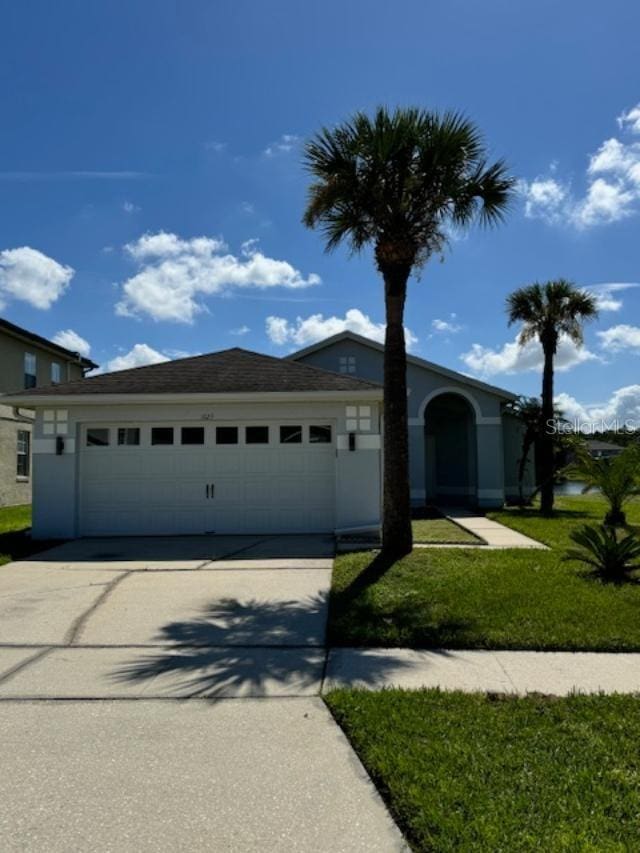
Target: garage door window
point(192, 435)
point(290, 435)
point(319, 434)
point(129, 436)
point(97, 437)
point(162, 435)
point(257, 435)
point(227, 435)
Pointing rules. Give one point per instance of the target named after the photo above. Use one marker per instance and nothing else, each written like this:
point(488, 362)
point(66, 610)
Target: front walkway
point(164, 694)
point(494, 534)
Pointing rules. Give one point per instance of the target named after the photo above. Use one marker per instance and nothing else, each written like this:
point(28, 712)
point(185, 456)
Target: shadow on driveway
point(240, 649)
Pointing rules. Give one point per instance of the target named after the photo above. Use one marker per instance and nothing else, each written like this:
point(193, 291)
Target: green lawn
point(465, 772)
point(15, 542)
point(441, 530)
point(475, 598)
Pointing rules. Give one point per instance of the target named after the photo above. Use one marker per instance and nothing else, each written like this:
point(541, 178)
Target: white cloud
point(138, 356)
point(613, 185)
point(605, 294)
point(73, 341)
point(215, 146)
point(241, 330)
point(513, 358)
point(630, 119)
point(130, 207)
point(316, 327)
point(32, 277)
point(446, 326)
point(544, 199)
point(623, 406)
point(175, 275)
point(286, 143)
point(620, 337)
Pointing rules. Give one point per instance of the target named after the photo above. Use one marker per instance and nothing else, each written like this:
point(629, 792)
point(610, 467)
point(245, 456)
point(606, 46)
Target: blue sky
point(151, 187)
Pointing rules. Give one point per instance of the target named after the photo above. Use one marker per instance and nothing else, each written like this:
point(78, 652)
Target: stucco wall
point(12, 352)
point(423, 385)
point(56, 477)
point(13, 489)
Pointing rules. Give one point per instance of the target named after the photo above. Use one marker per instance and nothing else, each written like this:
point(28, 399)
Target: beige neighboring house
point(27, 361)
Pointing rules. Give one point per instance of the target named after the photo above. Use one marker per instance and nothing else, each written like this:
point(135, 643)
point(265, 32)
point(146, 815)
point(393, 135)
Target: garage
point(215, 478)
point(228, 442)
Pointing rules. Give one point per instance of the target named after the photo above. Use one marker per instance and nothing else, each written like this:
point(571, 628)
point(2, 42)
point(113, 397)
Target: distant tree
point(546, 312)
point(397, 182)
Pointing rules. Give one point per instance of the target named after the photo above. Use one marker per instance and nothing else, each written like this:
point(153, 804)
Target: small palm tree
point(617, 478)
point(610, 558)
point(546, 312)
point(528, 410)
point(397, 181)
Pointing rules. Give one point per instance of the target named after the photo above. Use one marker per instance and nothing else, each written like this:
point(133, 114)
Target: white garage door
point(219, 478)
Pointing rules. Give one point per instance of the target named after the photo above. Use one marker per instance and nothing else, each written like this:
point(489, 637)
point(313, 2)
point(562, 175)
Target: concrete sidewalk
point(521, 672)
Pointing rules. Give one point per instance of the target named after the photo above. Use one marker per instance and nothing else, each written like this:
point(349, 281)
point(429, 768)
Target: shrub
point(610, 558)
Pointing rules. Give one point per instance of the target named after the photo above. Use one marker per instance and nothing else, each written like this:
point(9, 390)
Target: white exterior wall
point(56, 485)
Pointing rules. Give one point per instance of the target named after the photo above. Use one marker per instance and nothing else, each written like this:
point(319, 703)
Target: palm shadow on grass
point(355, 615)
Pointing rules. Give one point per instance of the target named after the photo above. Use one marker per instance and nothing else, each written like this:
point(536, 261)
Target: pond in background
point(570, 487)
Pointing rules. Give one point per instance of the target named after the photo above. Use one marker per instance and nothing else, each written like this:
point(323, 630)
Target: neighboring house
point(26, 361)
point(463, 446)
point(230, 442)
point(602, 449)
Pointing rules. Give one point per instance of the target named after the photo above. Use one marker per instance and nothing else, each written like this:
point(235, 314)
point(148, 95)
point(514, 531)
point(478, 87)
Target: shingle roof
point(25, 334)
point(227, 372)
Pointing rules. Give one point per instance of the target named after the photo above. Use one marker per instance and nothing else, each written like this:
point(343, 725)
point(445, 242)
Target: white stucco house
point(240, 442)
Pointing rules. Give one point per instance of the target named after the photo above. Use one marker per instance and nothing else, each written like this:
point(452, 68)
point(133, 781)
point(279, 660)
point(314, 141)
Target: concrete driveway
point(220, 642)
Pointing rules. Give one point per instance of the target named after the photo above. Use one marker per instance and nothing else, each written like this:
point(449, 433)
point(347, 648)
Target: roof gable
point(232, 371)
point(25, 335)
point(411, 359)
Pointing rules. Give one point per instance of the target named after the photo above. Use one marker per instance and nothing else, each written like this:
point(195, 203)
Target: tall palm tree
point(397, 181)
point(546, 312)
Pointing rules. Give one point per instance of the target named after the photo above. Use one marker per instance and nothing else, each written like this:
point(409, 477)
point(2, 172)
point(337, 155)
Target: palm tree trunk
point(546, 436)
point(396, 526)
point(527, 443)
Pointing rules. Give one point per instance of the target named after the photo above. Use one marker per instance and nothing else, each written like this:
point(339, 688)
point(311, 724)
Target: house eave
point(54, 400)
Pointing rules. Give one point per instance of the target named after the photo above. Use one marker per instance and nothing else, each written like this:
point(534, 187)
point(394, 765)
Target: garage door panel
point(291, 463)
point(225, 462)
point(163, 489)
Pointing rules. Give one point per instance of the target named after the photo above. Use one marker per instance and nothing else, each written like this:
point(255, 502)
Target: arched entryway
point(451, 464)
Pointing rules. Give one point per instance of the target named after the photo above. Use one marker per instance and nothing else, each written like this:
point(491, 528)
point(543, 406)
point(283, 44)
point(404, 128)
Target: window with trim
point(226, 435)
point(98, 437)
point(347, 363)
point(56, 373)
point(30, 377)
point(290, 435)
point(128, 436)
point(23, 462)
point(256, 435)
point(192, 435)
point(320, 434)
point(161, 435)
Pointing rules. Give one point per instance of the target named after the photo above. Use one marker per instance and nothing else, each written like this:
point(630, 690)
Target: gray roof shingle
point(231, 371)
